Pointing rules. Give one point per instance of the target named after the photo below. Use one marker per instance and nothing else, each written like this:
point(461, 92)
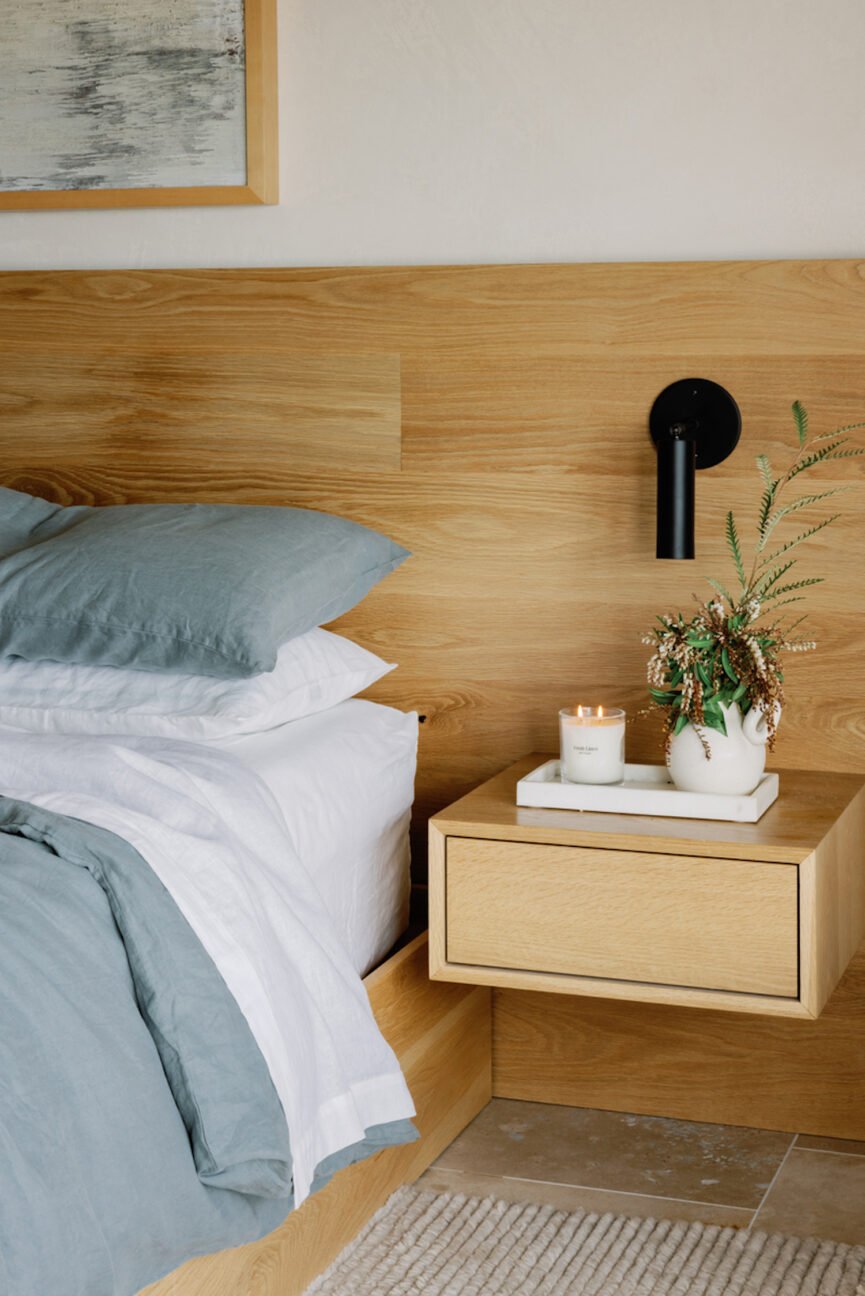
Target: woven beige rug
point(444, 1244)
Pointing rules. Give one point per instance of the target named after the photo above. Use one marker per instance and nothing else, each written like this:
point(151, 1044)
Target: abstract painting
point(134, 102)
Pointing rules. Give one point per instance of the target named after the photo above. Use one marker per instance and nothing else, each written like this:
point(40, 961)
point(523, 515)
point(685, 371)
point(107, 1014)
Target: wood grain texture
point(262, 102)
point(749, 918)
point(323, 413)
point(441, 1035)
point(768, 1072)
point(790, 831)
point(526, 488)
point(832, 905)
point(526, 493)
point(673, 920)
point(701, 1064)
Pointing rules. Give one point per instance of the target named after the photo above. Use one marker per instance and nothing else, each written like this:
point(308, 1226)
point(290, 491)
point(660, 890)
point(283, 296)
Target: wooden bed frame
point(441, 1035)
point(494, 420)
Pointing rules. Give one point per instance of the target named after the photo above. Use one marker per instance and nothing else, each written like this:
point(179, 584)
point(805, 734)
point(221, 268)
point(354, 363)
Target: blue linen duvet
point(139, 1124)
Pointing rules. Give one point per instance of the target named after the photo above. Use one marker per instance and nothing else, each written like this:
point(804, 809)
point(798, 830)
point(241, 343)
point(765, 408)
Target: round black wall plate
point(708, 408)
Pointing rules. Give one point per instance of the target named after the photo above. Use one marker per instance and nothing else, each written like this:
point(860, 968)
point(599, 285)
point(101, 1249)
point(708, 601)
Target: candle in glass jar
point(592, 744)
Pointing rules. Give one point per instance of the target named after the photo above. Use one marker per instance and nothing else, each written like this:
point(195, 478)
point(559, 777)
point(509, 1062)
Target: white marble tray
point(647, 790)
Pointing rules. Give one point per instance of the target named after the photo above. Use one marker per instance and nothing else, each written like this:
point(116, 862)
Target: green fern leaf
point(797, 598)
point(805, 501)
point(794, 585)
point(767, 501)
point(793, 624)
point(800, 418)
point(830, 452)
point(765, 583)
point(735, 549)
point(791, 544)
point(847, 454)
point(827, 436)
point(722, 590)
point(815, 457)
point(765, 470)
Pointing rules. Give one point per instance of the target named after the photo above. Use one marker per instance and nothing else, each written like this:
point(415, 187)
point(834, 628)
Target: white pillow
point(314, 671)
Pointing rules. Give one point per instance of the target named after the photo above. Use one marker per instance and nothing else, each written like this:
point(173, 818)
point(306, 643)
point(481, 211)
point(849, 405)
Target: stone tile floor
point(575, 1158)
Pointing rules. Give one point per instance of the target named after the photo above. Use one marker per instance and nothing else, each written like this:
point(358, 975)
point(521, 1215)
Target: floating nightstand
point(747, 917)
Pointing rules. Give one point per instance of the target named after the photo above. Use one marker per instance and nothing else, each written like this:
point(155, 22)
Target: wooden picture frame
point(262, 178)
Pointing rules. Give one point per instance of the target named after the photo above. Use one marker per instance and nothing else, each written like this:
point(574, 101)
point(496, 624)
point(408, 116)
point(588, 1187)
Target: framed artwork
point(137, 103)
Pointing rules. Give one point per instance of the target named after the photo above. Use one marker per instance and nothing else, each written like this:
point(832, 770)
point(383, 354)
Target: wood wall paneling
point(209, 414)
point(526, 484)
point(525, 489)
point(690, 1063)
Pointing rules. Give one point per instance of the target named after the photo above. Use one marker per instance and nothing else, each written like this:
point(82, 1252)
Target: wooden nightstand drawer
point(752, 918)
point(716, 924)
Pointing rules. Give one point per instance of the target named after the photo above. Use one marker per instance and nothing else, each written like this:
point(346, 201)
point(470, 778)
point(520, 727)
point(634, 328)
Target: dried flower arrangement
point(730, 650)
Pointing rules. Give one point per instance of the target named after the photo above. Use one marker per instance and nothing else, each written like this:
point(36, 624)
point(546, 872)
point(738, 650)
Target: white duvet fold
point(211, 832)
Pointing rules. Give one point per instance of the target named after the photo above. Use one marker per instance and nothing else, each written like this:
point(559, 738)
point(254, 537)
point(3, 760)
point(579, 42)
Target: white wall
point(531, 130)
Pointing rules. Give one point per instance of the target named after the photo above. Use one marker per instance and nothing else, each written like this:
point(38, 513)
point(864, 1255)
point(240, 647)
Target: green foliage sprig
point(729, 651)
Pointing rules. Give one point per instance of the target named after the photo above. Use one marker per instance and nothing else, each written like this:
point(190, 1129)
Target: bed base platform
point(441, 1035)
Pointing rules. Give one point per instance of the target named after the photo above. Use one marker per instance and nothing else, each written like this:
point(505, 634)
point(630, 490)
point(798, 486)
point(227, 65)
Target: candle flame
point(600, 711)
point(580, 712)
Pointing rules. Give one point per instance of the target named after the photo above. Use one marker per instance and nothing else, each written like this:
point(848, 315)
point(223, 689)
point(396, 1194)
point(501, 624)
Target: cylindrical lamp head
point(677, 462)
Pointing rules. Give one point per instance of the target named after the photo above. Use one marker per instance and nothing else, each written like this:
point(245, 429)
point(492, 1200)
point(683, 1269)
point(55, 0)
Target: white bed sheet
point(214, 835)
point(344, 782)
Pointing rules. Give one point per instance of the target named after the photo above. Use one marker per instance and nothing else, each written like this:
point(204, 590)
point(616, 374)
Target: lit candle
point(592, 744)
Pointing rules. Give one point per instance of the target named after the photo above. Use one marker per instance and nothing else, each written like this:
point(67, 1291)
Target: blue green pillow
point(193, 589)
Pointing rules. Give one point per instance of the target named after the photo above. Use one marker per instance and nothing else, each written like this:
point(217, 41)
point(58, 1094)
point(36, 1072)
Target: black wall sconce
point(694, 424)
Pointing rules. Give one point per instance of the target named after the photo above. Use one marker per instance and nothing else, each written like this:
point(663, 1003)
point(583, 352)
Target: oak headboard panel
point(493, 420)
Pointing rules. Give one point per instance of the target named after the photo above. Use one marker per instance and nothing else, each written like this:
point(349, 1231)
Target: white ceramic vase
point(737, 760)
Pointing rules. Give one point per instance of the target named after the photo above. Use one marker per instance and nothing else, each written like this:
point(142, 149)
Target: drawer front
point(623, 915)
